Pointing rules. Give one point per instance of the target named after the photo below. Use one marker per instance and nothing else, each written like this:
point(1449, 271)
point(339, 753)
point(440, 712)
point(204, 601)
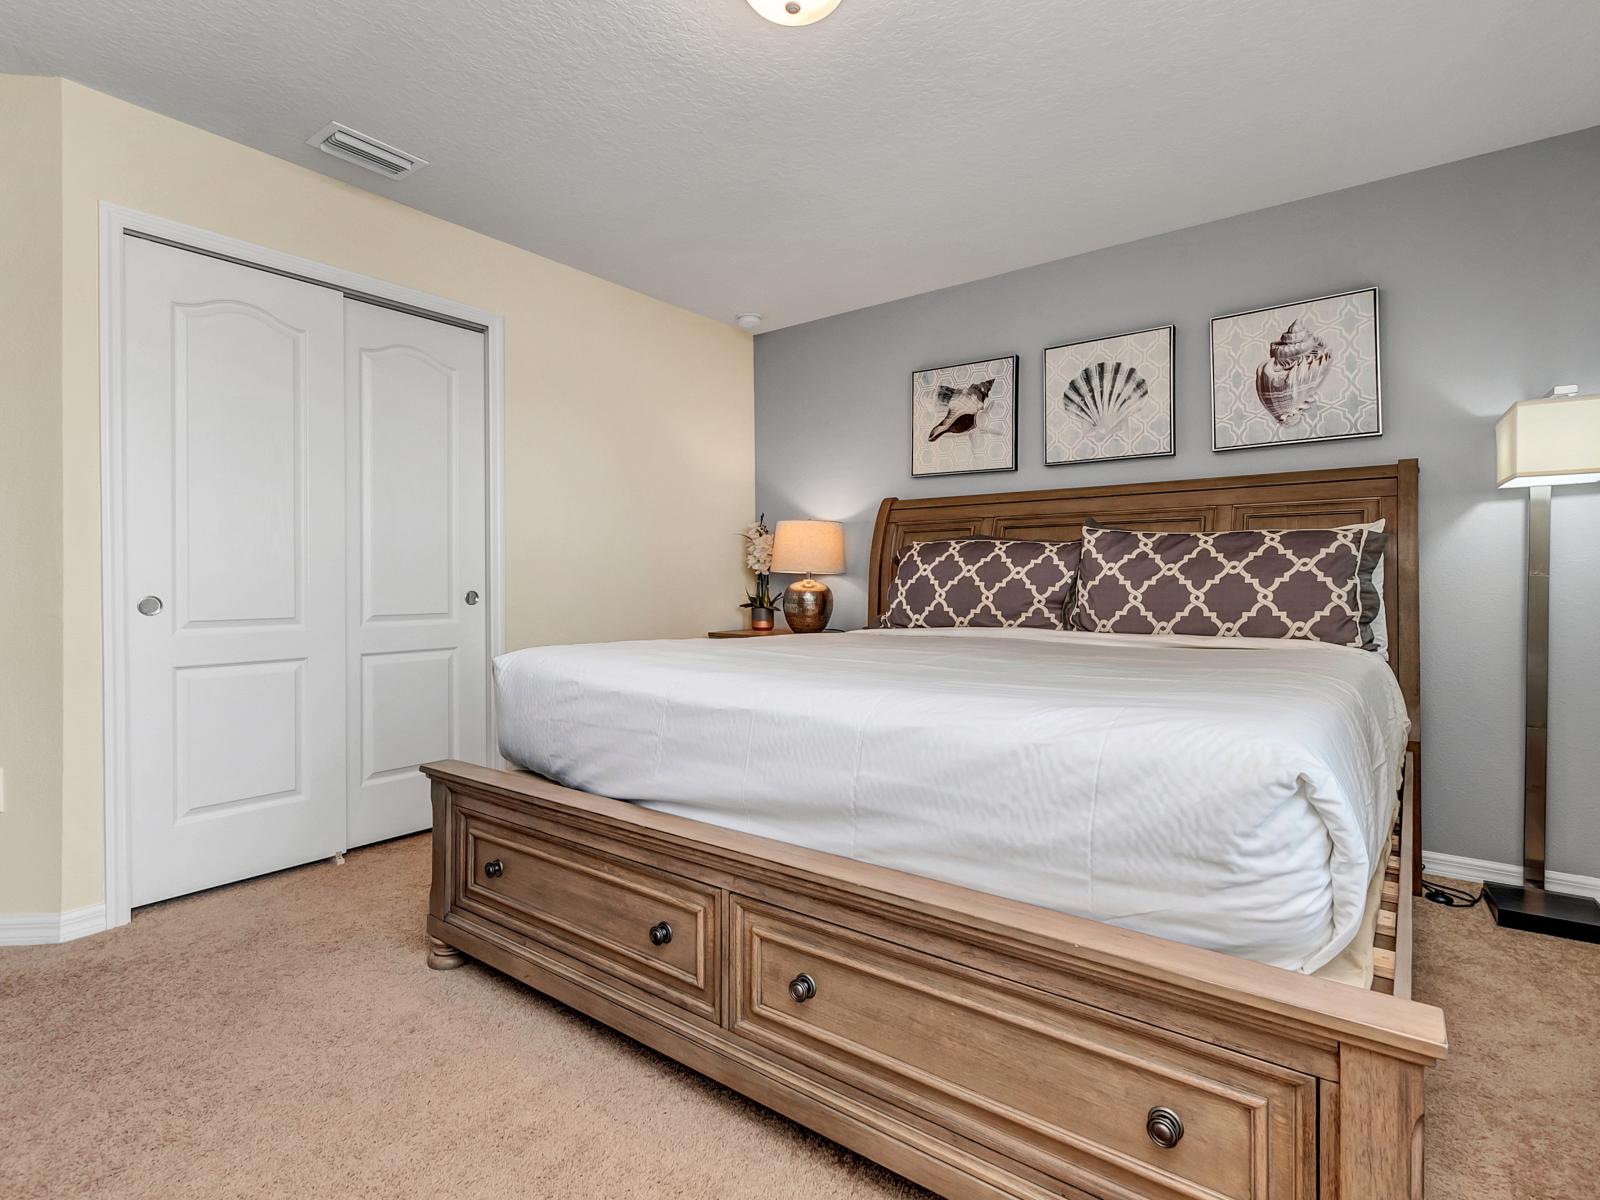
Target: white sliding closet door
point(418, 667)
point(233, 487)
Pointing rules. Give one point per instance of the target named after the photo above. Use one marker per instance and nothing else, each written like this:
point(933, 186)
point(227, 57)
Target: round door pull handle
point(660, 934)
point(149, 606)
point(802, 987)
point(472, 597)
point(494, 868)
point(1164, 1126)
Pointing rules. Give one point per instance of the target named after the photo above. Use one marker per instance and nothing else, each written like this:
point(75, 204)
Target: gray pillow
point(993, 582)
point(1312, 584)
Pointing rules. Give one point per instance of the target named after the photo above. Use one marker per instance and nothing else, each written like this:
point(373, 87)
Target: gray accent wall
point(1489, 274)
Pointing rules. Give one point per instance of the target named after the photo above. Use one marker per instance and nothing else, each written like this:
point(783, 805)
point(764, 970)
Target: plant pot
point(762, 618)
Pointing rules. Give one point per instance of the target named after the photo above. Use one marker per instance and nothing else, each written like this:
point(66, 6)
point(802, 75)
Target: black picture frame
point(1377, 368)
point(1013, 360)
point(1172, 396)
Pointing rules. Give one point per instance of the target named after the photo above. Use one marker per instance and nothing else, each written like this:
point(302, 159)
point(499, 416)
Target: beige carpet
point(283, 1038)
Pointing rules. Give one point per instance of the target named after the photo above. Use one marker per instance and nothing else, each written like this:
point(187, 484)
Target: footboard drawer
point(1098, 1101)
point(651, 929)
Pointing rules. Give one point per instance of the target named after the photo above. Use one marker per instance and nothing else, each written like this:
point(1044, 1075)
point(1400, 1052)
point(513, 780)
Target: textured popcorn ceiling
point(691, 150)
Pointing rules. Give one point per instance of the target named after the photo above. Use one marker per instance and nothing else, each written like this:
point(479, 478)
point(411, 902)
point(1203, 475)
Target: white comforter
point(1229, 793)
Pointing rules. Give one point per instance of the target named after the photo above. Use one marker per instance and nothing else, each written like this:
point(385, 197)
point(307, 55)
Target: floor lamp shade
point(1540, 444)
point(808, 548)
point(1551, 441)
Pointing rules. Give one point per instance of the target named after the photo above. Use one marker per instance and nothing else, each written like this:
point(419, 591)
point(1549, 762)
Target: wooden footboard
point(1401, 879)
point(979, 1046)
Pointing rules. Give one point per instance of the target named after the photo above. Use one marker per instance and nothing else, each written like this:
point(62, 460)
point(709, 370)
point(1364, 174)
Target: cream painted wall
point(629, 424)
point(30, 494)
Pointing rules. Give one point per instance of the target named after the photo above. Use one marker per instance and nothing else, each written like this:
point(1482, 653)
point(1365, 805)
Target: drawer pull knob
point(660, 934)
point(494, 868)
point(802, 987)
point(1164, 1126)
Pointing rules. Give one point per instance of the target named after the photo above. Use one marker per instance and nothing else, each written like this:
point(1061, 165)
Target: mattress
point(1230, 793)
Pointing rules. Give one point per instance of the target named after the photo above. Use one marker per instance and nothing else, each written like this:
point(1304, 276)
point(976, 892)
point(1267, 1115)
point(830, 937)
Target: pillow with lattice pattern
point(1314, 584)
point(978, 582)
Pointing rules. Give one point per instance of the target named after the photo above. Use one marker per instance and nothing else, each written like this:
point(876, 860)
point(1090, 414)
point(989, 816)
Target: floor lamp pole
point(1529, 906)
point(1536, 699)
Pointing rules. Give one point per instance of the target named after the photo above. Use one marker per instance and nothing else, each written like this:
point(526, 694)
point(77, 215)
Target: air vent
point(343, 142)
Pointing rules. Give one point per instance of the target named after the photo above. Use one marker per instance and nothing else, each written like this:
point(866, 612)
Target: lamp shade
point(1550, 441)
point(808, 548)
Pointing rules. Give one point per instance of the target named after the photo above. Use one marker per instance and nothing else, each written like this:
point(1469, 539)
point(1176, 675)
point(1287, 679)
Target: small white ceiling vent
point(343, 142)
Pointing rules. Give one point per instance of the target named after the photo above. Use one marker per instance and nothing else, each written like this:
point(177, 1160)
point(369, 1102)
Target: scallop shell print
point(962, 408)
point(1104, 393)
point(1287, 383)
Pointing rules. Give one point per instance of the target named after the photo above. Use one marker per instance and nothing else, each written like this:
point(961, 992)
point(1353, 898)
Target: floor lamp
point(1540, 444)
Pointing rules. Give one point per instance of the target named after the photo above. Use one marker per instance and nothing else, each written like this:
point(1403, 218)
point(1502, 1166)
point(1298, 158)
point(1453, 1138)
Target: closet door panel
point(240, 464)
point(418, 676)
point(408, 455)
point(234, 603)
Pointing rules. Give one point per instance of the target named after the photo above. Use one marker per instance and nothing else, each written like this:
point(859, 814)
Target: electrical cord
point(1449, 897)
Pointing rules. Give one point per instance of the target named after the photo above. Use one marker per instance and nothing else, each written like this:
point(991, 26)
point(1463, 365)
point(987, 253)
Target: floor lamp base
point(1538, 911)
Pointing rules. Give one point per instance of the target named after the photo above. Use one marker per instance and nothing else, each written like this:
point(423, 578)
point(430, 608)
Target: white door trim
point(115, 222)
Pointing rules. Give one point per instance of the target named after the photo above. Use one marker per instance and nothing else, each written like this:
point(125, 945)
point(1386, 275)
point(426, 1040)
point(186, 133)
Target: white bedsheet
point(1229, 793)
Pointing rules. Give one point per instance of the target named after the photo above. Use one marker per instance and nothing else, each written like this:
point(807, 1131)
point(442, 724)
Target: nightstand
point(744, 633)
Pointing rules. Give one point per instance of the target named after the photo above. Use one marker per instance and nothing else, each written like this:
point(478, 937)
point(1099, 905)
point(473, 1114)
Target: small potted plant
point(758, 557)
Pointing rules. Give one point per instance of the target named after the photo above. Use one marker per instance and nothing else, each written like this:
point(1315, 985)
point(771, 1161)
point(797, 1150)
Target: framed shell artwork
point(964, 418)
point(1303, 372)
point(1109, 398)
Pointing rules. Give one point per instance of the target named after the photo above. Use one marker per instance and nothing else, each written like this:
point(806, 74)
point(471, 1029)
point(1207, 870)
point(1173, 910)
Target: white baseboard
point(45, 929)
point(1482, 870)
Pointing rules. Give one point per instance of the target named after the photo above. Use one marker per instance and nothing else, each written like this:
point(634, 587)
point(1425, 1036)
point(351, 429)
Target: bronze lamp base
point(807, 605)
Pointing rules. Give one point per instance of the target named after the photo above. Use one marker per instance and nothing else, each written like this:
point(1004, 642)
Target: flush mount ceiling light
point(748, 320)
point(794, 12)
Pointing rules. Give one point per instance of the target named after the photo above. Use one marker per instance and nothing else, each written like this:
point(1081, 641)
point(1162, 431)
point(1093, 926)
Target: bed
point(1231, 793)
point(1157, 971)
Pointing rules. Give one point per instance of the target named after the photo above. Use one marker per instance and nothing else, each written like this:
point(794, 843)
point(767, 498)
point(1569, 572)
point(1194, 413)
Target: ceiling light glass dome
point(794, 12)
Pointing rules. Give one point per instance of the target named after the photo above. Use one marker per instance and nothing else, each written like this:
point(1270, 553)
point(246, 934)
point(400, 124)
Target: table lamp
point(1540, 444)
point(808, 548)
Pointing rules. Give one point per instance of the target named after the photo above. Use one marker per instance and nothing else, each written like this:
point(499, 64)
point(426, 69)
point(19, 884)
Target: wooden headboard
point(1290, 500)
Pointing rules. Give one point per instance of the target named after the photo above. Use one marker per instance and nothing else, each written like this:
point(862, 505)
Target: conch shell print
point(962, 408)
point(1103, 393)
point(1287, 383)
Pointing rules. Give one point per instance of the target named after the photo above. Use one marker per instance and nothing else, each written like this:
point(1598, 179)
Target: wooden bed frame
point(982, 1047)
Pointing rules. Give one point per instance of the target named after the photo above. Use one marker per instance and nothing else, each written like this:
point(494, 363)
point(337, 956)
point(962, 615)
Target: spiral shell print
point(1288, 382)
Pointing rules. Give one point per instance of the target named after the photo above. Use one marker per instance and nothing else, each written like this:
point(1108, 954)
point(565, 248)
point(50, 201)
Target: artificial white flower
point(758, 547)
point(759, 555)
